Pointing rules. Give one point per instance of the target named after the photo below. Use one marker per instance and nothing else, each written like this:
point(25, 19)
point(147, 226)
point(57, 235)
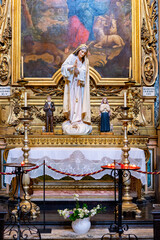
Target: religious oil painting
point(52, 29)
point(46, 32)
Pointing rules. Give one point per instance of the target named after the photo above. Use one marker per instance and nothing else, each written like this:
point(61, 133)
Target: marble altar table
point(75, 160)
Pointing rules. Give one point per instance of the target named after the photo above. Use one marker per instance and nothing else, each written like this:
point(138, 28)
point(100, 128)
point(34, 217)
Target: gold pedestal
point(129, 206)
point(26, 206)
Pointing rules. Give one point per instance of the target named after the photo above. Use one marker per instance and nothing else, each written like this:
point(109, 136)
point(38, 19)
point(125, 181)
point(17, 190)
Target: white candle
point(22, 69)
point(25, 99)
point(130, 67)
point(125, 99)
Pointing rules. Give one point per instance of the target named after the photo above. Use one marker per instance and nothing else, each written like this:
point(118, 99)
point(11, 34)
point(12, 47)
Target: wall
point(145, 118)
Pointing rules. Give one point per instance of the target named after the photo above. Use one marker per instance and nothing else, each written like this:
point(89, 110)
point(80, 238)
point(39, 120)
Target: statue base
point(78, 128)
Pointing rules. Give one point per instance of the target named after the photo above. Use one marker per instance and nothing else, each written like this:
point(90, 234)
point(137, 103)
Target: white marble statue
point(76, 101)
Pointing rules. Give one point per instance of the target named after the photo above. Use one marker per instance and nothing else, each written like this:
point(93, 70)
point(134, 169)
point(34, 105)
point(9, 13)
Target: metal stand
point(20, 226)
point(118, 228)
point(44, 229)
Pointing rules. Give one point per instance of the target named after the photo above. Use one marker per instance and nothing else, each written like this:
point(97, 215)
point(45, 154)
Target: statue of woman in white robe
point(76, 101)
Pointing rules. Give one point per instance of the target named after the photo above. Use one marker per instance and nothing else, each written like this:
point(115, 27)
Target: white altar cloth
point(75, 161)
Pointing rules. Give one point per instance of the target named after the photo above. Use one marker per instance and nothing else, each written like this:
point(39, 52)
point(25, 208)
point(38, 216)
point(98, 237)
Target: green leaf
point(85, 205)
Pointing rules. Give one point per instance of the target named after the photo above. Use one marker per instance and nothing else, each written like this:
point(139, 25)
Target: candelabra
point(128, 205)
point(25, 200)
point(26, 203)
point(131, 128)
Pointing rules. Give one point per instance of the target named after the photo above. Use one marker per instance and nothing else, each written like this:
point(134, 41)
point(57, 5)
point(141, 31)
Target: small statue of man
point(49, 108)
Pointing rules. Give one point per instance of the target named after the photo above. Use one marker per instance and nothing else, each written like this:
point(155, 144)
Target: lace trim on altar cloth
point(76, 163)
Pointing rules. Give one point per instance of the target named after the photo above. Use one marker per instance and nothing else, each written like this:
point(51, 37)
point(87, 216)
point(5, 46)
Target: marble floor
point(61, 229)
point(95, 233)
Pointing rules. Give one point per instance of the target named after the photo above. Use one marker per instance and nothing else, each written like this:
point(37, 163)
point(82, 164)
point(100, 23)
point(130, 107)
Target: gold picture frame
point(53, 81)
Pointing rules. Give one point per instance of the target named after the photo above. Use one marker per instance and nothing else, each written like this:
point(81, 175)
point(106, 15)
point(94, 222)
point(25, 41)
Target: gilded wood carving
point(148, 36)
point(95, 91)
point(81, 141)
point(5, 44)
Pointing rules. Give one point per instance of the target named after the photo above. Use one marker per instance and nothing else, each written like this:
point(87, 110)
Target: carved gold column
point(127, 205)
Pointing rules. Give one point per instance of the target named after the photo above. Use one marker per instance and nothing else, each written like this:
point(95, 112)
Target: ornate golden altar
point(94, 141)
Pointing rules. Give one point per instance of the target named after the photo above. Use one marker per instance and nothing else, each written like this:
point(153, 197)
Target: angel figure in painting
point(105, 116)
point(76, 100)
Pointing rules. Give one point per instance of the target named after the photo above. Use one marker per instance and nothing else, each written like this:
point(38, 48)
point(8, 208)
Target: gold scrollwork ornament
point(5, 45)
point(4, 70)
point(148, 37)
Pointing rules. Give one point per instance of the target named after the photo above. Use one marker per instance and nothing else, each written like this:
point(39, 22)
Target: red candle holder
point(22, 163)
point(121, 166)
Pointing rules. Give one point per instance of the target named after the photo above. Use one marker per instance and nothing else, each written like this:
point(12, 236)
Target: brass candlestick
point(131, 128)
point(22, 82)
point(26, 204)
point(127, 205)
point(125, 120)
point(26, 120)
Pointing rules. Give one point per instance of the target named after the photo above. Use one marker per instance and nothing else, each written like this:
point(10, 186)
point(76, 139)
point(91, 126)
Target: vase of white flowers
point(81, 226)
point(80, 217)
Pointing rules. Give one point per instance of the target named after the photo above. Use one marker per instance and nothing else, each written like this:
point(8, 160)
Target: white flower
point(81, 214)
point(86, 211)
point(60, 212)
point(98, 206)
point(76, 197)
point(65, 213)
point(93, 212)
